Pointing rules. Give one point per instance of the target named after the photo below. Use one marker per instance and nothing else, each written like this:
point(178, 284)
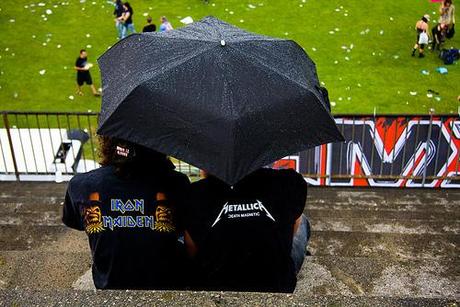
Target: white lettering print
point(242, 211)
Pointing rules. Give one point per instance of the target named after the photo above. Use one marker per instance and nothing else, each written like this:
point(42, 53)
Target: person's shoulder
point(91, 177)
point(287, 176)
point(202, 185)
point(178, 177)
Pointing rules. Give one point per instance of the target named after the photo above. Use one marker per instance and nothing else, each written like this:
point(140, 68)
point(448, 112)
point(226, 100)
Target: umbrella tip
point(222, 42)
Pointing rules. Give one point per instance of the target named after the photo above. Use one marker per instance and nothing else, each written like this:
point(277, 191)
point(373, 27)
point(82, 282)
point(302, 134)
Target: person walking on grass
point(422, 35)
point(83, 76)
point(127, 19)
point(118, 12)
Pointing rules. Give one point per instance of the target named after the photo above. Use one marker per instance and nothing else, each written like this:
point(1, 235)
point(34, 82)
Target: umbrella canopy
point(213, 95)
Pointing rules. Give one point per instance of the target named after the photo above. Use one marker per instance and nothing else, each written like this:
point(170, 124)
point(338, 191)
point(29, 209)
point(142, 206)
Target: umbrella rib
point(252, 57)
point(272, 69)
point(157, 79)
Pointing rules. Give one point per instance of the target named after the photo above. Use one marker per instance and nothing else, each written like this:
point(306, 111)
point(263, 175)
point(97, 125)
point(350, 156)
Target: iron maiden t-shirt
point(244, 233)
point(132, 226)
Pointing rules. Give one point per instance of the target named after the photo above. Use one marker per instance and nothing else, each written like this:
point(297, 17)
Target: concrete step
point(384, 245)
point(383, 195)
point(322, 243)
point(379, 222)
point(42, 269)
point(348, 276)
point(383, 225)
point(205, 299)
point(44, 238)
point(319, 276)
point(327, 212)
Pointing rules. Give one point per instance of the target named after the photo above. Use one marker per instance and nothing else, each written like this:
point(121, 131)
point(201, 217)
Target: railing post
point(10, 141)
point(428, 139)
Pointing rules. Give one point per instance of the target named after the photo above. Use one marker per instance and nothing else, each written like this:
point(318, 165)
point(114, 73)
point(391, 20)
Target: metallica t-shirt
point(244, 233)
point(132, 227)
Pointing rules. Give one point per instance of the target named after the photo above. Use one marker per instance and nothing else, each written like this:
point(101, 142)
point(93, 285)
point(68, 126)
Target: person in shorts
point(83, 75)
point(421, 27)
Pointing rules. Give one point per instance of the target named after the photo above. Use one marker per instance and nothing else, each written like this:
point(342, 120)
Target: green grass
point(379, 73)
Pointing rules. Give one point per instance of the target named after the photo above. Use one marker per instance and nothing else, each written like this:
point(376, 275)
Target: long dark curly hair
point(131, 159)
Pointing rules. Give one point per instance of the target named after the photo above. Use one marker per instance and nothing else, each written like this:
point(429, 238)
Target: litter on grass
point(442, 70)
point(413, 93)
point(425, 72)
point(187, 20)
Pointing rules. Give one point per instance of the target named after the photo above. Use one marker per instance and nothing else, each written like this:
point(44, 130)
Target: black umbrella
point(220, 98)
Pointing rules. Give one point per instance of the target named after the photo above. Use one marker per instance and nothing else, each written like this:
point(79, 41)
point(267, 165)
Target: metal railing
point(389, 150)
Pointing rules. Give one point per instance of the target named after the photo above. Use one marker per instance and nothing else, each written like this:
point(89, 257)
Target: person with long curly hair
point(129, 209)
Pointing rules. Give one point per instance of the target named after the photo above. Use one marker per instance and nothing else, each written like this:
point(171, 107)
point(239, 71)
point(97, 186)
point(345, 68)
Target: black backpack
point(449, 56)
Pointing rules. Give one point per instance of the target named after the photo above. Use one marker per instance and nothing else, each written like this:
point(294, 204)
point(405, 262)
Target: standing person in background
point(83, 76)
point(422, 29)
point(447, 11)
point(165, 25)
point(118, 12)
point(439, 36)
point(150, 27)
point(127, 19)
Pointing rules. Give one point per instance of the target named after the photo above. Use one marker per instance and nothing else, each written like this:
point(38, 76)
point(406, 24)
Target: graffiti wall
point(386, 152)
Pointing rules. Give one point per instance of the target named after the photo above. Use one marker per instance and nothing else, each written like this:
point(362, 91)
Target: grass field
point(362, 50)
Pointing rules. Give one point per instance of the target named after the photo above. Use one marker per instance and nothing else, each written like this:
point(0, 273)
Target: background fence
point(388, 151)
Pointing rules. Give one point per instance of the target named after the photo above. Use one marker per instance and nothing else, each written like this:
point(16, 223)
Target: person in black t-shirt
point(83, 76)
point(248, 237)
point(150, 27)
point(439, 36)
point(129, 209)
point(127, 19)
point(118, 12)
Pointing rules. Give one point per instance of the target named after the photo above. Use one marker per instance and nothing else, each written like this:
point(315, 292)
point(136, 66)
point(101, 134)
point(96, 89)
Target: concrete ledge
point(184, 298)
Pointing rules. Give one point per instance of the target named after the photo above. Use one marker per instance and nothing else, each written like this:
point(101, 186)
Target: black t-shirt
point(132, 229)
point(149, 28)
point(244, 233)
point(130, 18)
point(118, 11)
point(81, 62)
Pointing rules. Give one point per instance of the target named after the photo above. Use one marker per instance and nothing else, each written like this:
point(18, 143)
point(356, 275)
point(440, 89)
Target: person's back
point(244, 233)
point(150, 27)
point(131, 223)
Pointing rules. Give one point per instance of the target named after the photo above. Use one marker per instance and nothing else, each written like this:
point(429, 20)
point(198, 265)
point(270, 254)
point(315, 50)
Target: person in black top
point(248, 237)
point(439, 36)
point(83, 76)
point(150, 27)
point(129, 210)
point(127, 19)
point(118, 12)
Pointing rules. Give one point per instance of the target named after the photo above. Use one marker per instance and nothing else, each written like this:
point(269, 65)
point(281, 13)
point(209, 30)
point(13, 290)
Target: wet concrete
point(383, 247)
